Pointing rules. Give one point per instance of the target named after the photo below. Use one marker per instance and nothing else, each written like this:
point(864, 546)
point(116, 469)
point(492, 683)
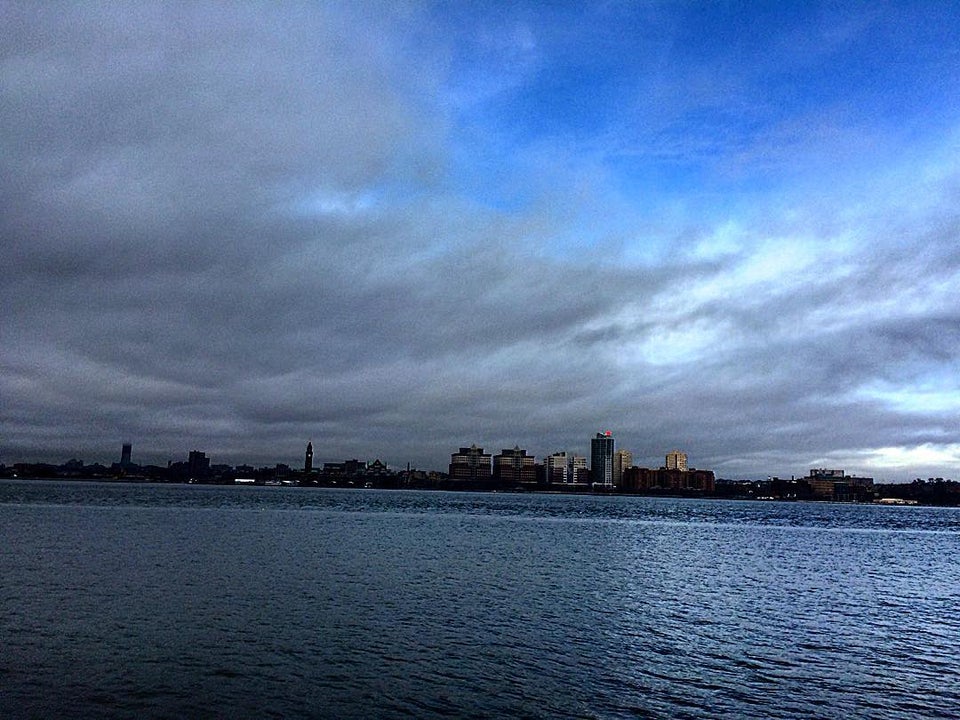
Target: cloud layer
point(396, 230)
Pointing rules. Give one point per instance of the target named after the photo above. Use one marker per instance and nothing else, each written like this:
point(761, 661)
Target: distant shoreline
point(880, 500)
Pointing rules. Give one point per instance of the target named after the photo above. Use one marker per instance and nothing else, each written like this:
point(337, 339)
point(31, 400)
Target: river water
point(194, 601)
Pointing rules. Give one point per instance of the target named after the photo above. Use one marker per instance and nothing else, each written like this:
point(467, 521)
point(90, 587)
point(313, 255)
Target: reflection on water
point(171, 601)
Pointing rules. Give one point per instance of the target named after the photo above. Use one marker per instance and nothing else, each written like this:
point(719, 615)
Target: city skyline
point(473, 464)
point(511, 470)
point(584, 451)
point(728, 228)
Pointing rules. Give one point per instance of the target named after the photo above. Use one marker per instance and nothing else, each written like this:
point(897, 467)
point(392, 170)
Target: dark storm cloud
point(150, 154)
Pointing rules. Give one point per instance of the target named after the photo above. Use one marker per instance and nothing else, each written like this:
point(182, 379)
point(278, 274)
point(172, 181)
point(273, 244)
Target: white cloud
point(922, 398)
point(927, 457)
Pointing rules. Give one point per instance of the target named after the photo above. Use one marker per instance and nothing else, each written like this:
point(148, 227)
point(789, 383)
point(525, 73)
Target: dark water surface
point(192, 601)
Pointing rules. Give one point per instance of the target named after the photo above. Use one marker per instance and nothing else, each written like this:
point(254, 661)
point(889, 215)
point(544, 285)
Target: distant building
point(198, 464)
point(377, 469)
point(637, 479)
point(836, 485)
point(823, 481)
point(676, 460)
point(622, 459)
point(557, 468)
point(308, 458)
point(513, 467)
point(579, 472)
point(125, 453)
point(470, 464)
point(601, 459)
point(824, 473)
point(354, 467)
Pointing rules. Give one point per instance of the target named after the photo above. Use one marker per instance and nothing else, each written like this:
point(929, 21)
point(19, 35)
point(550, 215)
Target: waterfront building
point(823, 481)
point(557, 468)
point(638, 479)
point(601, 459)
point(125, 454)
point(354, 467)
point(635, 479)
point(827, 484)
point(198, 464)
point(579, 472)
point(676, 460)
point(470, 464)
point(308, 459)
point(622, 459)
point(512, 467)
point(377, 469)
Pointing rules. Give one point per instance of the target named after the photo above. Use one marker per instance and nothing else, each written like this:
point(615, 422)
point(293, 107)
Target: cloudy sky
point(399, 228)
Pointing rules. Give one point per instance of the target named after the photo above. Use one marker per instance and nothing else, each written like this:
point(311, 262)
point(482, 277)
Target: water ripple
point(275, 602)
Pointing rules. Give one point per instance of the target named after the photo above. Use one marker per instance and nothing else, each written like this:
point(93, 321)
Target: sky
point(399, 228)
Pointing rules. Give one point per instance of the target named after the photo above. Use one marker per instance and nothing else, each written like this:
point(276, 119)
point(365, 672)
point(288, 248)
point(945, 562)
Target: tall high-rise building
point(308, 458)
point(601, 459)
point(125, 452)
point(622, 459)
point(514, 466)
point(676, 460)
point(471, 464)
point(557, 468)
